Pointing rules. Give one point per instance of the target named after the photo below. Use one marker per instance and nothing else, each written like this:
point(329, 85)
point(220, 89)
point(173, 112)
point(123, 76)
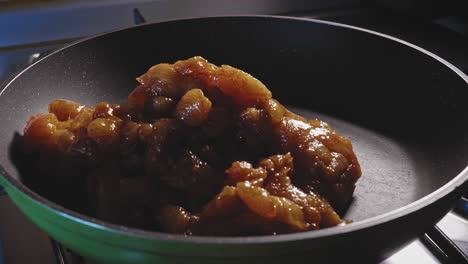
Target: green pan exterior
point(104, 245)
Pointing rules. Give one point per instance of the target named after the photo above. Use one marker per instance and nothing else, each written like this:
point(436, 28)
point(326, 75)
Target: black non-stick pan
point(404, 108)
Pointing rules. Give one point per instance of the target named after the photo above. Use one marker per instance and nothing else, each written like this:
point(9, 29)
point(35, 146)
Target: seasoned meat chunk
point(325, 160)
point(175, 219)
point(65, 109)
point(242, 171)
point(193, 108)
point(280, 209)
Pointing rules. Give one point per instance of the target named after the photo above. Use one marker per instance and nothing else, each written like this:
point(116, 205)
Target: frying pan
point(404, 109)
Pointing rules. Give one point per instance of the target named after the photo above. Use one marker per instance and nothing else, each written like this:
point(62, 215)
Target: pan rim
point(413, 207)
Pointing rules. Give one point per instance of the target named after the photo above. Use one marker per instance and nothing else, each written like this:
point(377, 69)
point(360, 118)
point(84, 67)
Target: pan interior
point(404, 111)
point(391, 172)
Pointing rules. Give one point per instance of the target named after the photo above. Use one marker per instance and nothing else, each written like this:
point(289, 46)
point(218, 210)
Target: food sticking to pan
point(199, 150)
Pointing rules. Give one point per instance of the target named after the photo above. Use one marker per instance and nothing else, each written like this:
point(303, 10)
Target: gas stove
point(22, 242)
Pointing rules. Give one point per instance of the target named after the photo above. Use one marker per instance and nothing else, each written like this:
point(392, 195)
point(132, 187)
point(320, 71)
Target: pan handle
point(442, 246)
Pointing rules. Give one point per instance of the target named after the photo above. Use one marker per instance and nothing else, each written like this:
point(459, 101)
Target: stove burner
point(443, 247)
point(462, 206)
